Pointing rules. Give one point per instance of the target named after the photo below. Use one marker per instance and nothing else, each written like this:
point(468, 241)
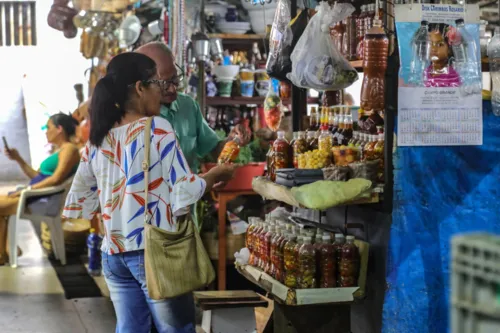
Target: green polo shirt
point(196, 138)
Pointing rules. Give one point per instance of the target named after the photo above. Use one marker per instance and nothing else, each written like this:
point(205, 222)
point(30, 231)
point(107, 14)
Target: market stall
point(284, 70)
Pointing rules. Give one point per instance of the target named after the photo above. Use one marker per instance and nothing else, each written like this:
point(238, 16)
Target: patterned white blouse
point(110, 178)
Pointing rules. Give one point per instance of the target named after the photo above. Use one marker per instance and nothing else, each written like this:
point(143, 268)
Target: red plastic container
point(242, 180)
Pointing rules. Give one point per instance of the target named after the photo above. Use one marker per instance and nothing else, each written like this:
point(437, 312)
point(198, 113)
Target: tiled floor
point(32, 300)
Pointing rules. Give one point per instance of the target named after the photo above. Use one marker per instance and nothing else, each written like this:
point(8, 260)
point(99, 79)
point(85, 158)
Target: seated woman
point(53, 171)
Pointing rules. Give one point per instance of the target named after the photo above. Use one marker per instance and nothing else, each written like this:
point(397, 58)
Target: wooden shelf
point(239, 100)
point(237, 36)
point(273, 191)
point(357, 64)
point(298, 297)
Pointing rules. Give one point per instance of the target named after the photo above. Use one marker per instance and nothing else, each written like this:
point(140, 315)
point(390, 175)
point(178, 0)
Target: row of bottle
point(337, 120)
point(303, 259)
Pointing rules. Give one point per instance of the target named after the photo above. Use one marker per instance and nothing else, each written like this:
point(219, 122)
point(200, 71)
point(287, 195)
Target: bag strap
point(145, 165)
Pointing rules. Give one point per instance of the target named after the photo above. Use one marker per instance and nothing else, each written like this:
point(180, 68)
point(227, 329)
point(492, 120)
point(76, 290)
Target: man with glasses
point(195, 136)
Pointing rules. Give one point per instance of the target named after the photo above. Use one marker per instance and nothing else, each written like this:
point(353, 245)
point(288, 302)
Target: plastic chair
point(47, 210)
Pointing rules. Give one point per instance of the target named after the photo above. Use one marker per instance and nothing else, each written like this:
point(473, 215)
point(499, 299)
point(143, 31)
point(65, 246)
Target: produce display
point(303, 258)
point(345, 155)
point(315, 159)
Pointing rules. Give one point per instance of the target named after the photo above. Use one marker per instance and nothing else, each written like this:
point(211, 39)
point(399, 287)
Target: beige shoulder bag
point(175, 262)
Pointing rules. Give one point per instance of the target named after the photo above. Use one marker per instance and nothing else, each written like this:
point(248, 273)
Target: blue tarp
point(439, 192)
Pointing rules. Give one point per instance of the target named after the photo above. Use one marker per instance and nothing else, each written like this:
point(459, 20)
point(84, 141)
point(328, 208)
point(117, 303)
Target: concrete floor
point(32, 299)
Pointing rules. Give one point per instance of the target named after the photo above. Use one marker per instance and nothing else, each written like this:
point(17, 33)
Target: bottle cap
point(424, 22)
point(349, 238)
point(459, 21)
point(92, 230)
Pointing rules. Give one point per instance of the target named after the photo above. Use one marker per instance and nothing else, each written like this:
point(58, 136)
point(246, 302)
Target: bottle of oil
point(375, 52)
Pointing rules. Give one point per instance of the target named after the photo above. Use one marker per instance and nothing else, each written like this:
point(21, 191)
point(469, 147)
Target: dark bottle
point(349, 264)
point(270, 163)
point(376, 48)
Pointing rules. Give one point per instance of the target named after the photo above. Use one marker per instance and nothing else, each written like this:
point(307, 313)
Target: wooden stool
point(229, 311)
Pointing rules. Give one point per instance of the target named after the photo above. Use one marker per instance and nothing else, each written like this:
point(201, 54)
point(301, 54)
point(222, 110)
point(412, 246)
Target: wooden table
point(224, 197)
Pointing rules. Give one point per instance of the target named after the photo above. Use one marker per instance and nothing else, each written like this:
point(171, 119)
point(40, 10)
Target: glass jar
point(307, 264)
point(299, 147)
point(281, 150)
point(349, 263)
point(310, 139)
point(325, 140)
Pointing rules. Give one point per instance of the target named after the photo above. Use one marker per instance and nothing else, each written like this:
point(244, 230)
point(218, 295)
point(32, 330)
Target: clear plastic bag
point(272, 110)
point(285, 33)
point(316, 63)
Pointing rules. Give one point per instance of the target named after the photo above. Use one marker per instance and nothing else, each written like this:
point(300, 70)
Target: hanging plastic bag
point(272, 108)
point(316, 63)
point(285, 33)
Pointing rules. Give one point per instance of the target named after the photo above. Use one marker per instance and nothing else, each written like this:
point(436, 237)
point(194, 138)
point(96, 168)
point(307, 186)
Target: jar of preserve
point(281, 150)
point(349, 263)
point(299, 147)
point(325, 140)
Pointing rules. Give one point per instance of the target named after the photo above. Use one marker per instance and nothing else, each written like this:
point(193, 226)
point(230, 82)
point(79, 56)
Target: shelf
point(239, 100)
point(273, 191)
point(238, 36)
point(357, 64)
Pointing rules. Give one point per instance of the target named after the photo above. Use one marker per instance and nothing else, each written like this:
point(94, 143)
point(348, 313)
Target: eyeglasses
point(177, 81)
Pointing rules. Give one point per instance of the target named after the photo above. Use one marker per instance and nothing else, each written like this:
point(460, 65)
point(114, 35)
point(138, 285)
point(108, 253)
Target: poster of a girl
point(441, 73)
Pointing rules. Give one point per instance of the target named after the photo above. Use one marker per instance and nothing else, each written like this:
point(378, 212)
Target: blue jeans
point(126, 279)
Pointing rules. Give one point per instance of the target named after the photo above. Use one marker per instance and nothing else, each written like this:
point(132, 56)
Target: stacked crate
point(475, 282)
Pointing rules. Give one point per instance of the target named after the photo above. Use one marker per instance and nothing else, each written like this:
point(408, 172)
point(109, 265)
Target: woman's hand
point(225, 172)
point(15, 194)
point(12, 154)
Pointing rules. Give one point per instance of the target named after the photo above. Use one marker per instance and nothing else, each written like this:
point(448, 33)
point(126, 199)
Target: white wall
point(46, 73)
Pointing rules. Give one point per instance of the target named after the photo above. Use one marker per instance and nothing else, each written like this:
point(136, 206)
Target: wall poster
point(440, 79)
